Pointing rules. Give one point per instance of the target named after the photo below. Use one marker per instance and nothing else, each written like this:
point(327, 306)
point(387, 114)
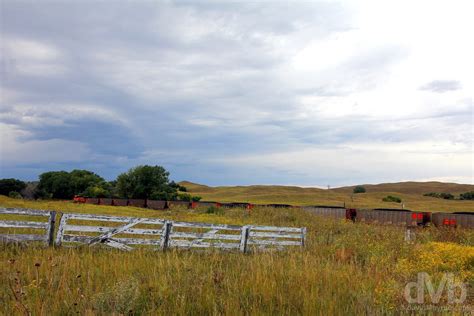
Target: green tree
point(146, 182)
point(64, 185)
point(467, 196)
point(11, 185)
point(359, 189)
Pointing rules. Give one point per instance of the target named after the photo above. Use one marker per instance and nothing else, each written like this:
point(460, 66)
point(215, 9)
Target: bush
point(196, 198)
point(359, 189)
point(15, 195)
point(390, 198)
point(9, 185)
point(467, 196)
point(443, 195)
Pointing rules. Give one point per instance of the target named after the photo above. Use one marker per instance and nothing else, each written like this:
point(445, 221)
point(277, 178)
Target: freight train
point(379, 215)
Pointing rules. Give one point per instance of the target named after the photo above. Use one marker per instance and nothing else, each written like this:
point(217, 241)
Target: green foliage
point(146, 182)
point(9, 185)
point(97, 191)
point(359, 189)
point(178, 186)
point(443, 195)
point(196, 198)
point(188, 197)
point(64, 185)
point(390, 198)
point(467, 196)
point(15, 195)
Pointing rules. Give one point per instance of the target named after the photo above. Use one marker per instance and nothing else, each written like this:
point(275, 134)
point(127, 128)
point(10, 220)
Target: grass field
point(411, 194)
point(345, 269)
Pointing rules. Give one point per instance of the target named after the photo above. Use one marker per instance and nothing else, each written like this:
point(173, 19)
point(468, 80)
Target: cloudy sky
point(222, 93)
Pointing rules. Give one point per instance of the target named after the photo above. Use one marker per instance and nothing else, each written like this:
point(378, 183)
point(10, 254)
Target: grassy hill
point(411, 194)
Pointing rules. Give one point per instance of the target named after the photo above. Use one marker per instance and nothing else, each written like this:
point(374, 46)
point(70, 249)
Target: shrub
point(467, 196)
point(15, 195)
point(443, 195)
point(359, 189)
point(390, 198)
point(9, 185)
point(196, 198)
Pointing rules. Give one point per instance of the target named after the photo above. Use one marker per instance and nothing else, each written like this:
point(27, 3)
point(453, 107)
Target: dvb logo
point(457, 291)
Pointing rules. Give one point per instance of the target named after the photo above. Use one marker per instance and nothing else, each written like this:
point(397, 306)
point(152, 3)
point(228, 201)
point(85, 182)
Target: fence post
point(303, 236)
point(50, 232)
point(62, 224)
point(165, 237)
point(244, 236)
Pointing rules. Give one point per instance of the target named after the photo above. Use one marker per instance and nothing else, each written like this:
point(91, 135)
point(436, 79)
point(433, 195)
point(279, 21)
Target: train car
point(137, 202)
point(178, 204)
point(205, 204)
point(156, 205)
point(92, 201)
point(393, 216)
point(278, 205)
point(120, 202)
point(106, 201)
point(236, 205)
point(456, 219)
point(330, 211)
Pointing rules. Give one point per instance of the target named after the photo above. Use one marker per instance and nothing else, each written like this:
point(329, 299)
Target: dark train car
point(156, 205)
point(205, 204)
point(457, 219)
point(278, 205)
point(330, 211)
point(92, 200)
point(106, 201)
point(393, 216)
point(120, 202)
point(236, 205)
point(178, 204)
point(137, 202)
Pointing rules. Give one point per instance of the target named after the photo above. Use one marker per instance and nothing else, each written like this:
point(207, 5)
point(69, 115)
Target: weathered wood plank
point(244, 236)
point(22, 237)
point(207, 226)
point(116, 244)
point(18, 211)
point(204, 236)
point(102, 229)
point(274, 242)
point(20, 224)
point(165, 235)
point(109, 218)
point(115, 231)
point(126, 241)
point(50, 228)
point(190, 244)
point(274, 235)
point(277, 229)
point(62, 225)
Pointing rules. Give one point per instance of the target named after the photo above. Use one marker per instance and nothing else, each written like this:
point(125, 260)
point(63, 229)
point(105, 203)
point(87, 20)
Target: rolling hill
point(411, 194)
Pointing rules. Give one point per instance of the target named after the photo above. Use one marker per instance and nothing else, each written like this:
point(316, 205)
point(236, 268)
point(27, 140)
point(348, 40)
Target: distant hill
point(411, 194)
point(412, 187)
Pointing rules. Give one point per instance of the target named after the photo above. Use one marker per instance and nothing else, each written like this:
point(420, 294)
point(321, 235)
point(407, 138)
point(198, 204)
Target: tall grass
point(345, 268)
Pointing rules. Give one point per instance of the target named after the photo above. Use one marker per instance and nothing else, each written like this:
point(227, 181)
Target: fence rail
point(126, 233)
point(44, 231)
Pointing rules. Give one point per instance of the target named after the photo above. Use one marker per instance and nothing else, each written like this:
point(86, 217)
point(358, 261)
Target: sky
point(236, 93)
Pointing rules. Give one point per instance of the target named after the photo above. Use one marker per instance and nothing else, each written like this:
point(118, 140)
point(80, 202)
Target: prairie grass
point(345, 269)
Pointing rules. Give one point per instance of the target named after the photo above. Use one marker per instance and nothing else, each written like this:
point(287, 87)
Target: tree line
point(141, 182)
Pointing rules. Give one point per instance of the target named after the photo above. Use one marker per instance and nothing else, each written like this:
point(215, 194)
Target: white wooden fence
point(42, 231)
point(127, 233)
